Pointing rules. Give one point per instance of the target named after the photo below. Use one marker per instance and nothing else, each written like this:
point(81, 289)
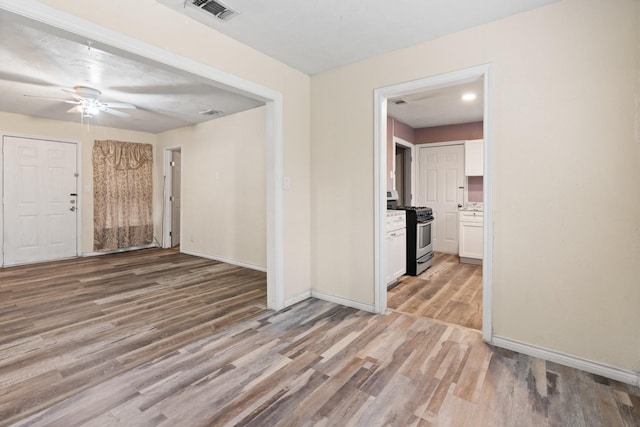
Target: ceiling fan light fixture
point(91, 109)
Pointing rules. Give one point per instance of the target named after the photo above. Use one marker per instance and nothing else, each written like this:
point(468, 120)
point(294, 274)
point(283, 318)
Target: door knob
point(72, 208)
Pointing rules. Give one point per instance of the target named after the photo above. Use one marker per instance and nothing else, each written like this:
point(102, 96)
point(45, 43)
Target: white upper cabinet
point(474, 157)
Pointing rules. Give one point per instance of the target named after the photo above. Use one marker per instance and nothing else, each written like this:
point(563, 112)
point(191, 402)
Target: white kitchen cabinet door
point(397, 261)
point(474, 157)
point(471, 240)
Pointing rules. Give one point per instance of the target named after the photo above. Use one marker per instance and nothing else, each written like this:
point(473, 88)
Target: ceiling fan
point(87, 102)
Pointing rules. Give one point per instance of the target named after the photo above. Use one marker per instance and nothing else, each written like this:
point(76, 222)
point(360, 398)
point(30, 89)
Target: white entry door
point(40, 202)
point(440, 187)
point(176, 171)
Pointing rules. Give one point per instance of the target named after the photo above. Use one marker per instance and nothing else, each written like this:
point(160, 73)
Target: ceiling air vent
point(216, 8)
point(211, 112)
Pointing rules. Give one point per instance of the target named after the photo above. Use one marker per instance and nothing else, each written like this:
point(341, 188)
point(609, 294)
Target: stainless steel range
point(419, 244)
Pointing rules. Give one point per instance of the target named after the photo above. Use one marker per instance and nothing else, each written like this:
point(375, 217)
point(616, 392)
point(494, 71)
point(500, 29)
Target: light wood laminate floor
point(449, 291)
point(145, 340)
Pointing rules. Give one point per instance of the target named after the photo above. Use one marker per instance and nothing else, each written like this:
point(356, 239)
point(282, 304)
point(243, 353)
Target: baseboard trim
point(117, 251)
point(297, 298)
point(607, 371)
point(343, 301)
point(225, 260)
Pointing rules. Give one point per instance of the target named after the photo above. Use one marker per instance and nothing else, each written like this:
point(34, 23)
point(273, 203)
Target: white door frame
point(166, 203)
point(106, 39)
point(381, 95)
point(79, 213)
point(401, 142)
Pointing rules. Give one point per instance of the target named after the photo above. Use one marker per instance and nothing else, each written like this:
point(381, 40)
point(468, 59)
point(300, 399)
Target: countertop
point(472, 208)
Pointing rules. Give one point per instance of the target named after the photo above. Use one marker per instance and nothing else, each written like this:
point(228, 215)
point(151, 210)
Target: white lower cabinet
point(471, 235)
point(397, 261)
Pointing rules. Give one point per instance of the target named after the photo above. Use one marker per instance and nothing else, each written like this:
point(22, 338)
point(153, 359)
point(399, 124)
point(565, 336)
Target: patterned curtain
point(122, 192)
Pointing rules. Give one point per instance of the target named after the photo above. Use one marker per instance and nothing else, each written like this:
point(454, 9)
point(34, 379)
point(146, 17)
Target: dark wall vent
point(215, 8)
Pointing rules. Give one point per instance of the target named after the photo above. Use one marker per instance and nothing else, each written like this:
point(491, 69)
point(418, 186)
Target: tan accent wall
point(458, 132)
point(565, 154)
point(401, 130)
point(390, 153)
point(404, 131)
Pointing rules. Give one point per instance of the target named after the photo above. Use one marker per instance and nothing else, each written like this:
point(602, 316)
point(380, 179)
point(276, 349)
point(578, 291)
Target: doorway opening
point(75, 28)
point(431, 85)
point(403, 171)
point(172, 191)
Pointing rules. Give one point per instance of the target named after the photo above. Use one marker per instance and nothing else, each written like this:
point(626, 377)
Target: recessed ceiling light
point(470, 96)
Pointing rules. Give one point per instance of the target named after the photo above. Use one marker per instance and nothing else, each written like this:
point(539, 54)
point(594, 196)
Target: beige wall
point(175, 32)
point(223, 186)
point(86, 135)
point(566, 206)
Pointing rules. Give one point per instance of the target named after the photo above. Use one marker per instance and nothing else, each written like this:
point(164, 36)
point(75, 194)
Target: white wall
point(86, 135)
point(173, 31)
point(223, 186)
point(566, 154)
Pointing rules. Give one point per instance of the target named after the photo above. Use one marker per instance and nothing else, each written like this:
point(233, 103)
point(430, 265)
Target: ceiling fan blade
point(125, 105)
point(114, 112)
point(68, 101)
point(76, 109)
point(22, 78)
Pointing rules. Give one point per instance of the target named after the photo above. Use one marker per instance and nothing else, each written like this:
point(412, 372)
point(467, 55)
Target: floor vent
point(216, 8)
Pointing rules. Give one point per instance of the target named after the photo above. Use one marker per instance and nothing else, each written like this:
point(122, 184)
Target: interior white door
point(176, 173)
point(440, 187)
point(40, 202)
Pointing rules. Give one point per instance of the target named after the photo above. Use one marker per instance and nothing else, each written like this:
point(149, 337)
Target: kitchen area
point(410, 228)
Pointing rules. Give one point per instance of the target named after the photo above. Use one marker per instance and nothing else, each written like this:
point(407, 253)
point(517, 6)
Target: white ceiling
point(311, 36)
point(318, 35)
point(38, 63)
point(440, 106)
